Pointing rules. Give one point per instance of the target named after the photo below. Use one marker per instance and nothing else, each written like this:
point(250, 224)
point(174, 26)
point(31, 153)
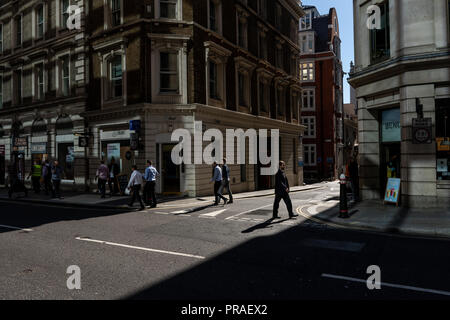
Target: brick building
point(43, 78)
point(321, 76)
point(168, 65)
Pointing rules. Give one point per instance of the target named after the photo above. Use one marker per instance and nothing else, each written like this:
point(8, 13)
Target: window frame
point(169, 73)
point(310, 95)
point(178, 9)
point(39, 24)
point(64, 15)
point(311, 71)
point(112, 81)
point(309, 149)
point(374, 59)
point(306, 121)
point(113, 13)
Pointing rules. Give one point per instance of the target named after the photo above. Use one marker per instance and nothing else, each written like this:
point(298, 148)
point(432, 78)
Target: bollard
point(343, 207)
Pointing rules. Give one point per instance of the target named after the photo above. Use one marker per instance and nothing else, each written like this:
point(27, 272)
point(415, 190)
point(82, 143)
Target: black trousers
point(17, 186)
point(56, 191)
point(113, 189)
point(149, 193)
point(102, 187)
point(287, 200)
point(217, 192)
point(135, 190)
point(226, 184)
point(48, 186)
point(36, 184)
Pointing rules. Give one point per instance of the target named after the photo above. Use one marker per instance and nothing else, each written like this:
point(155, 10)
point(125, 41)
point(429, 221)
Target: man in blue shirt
point(150, 183)
point(57, 173)
point(217, 179)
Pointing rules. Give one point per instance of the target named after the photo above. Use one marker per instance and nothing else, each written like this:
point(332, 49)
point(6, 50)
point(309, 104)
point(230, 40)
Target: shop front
point(65, 151)
point(38, 145)
point(390, 149)
point(116, 144)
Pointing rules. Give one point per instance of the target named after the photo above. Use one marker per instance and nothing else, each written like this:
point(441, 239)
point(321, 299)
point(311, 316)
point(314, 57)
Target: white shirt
point(136, 179)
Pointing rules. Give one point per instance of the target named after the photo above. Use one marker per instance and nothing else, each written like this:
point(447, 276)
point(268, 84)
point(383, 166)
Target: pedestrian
point(15, 183)
point(57, 174)
point(282, 192)
point(150, 183)
point(354, 178)
point(114, 171)
point(102, 175)
point(391, 170)
point(226, 180)
point(135, 186)
point(36, 174)
point(47, 177)
point(217, 179)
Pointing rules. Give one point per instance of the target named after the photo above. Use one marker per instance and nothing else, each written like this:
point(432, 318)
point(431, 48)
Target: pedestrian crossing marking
point(213, 214)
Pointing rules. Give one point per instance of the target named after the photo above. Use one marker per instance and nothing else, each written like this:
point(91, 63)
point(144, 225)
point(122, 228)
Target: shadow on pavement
point(266, 224)
point(288, 265)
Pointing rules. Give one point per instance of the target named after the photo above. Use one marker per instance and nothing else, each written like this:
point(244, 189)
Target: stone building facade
point(402, 73)
point(43, 79)
point(322, 94)
point(158, 66)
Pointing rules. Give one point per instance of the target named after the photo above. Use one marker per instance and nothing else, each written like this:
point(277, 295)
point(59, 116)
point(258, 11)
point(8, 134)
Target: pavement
point(91, 200)
point(373, 215)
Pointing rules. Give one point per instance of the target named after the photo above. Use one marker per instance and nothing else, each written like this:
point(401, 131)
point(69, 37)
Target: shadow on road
point(266, 224)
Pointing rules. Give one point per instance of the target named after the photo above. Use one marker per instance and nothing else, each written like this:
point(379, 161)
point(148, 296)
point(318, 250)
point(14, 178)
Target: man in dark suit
point(282, 192)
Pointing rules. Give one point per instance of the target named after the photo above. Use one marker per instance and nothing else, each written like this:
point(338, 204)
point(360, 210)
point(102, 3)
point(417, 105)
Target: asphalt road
point(203, 252)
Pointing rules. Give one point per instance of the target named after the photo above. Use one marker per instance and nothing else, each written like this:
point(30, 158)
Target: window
point(18, 86)
point(213, 81)
point(1, 92)
point(40, 21)
point(263, 97)
point(307, 43)
point(262, 8)
point(169, 72)
point(307, 71)
point(279, 57)
point(310, 123)
point(280, 102)
point(278, 16)
point(215, 16)
point(305, 21)
point(308, 99)
point(380, 38)
point(1, 38)
point(115, 80)
point(242, 32)
point(262, 46)
point(242, 89)
point(309, 154)
point(295, 105)
point(168, 9)
point(39, 81)
point(115, 13)
point(65, 75)
point(18, 28)
point(64, 14)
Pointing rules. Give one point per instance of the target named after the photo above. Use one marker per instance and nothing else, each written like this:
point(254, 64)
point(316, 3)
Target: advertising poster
point(392, 190)
point(113, 150)
point(390, 127)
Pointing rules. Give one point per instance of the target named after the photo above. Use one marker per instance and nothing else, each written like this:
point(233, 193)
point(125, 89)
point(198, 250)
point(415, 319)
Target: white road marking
point(160, 212)
point(398, 286)
point(213, 214)
point(180, 212)
point(140, 248)
point(245, 212)
point(15, 228)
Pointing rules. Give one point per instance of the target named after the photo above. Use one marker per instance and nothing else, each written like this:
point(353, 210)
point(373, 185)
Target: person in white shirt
point(135, 187)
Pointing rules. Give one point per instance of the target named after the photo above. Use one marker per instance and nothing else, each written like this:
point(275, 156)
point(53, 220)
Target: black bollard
point(343, 206)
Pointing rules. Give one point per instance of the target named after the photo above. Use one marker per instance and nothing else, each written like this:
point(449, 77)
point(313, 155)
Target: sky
point(344, 10)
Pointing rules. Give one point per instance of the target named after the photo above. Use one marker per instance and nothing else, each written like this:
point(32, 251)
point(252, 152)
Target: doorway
point(390, 160)
point(170, 172)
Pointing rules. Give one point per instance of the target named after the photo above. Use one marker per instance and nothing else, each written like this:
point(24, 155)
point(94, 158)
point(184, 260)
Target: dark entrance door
point(170, 171)
point(390, 161)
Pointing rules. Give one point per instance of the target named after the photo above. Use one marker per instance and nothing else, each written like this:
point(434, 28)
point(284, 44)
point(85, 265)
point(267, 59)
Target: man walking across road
point(135, 185)
point(217, 179)
point(282, 192)
point(102, 176)
point(57, 173)
point(150, 184)
point(226, 180)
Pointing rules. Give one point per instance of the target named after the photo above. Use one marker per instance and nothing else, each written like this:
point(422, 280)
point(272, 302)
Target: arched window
point(64, 125)
point(39, 127)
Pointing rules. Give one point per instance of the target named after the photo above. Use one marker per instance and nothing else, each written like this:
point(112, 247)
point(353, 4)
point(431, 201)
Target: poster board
point(122, 180)
point(392, 192)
